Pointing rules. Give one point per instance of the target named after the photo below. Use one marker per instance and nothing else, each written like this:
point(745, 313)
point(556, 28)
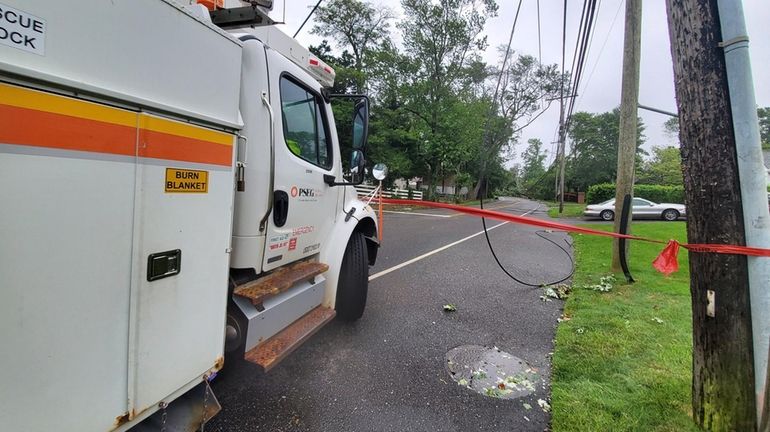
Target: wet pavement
point(391, 371)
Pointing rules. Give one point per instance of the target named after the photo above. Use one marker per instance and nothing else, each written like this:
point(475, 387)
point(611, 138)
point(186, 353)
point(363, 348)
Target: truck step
point(272, 351)
point(279, 280)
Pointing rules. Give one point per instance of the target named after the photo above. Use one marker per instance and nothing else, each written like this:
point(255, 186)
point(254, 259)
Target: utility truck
point(172, 193)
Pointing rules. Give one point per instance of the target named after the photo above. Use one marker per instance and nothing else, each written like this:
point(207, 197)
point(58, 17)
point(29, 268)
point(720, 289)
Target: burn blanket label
point(21, 30)
point(186, 181)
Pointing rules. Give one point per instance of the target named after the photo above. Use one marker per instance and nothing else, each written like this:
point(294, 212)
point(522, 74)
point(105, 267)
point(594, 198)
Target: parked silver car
point(642, 209)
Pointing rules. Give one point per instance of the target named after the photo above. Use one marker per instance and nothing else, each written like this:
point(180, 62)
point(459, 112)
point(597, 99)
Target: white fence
point(367, 190)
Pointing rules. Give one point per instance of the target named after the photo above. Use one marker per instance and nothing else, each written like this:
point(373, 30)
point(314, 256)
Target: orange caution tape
point(666, 262)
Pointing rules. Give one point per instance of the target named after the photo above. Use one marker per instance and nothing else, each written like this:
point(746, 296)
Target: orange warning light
point(212, 4)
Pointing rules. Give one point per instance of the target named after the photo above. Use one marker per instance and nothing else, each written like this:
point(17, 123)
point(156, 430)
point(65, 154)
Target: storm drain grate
point(491, 372)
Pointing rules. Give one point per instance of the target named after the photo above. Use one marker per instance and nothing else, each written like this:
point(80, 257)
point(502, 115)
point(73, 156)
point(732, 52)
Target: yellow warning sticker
point(186, 181)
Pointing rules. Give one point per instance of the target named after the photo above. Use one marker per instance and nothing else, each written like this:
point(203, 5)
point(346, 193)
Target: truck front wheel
point(353, 280)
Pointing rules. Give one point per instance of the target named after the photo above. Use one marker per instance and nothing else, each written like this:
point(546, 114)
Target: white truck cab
point(173, 195)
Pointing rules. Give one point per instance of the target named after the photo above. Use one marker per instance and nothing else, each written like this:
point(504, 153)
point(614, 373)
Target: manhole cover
point(491, 372)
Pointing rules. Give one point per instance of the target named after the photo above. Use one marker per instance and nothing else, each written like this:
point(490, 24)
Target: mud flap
point(372, 246)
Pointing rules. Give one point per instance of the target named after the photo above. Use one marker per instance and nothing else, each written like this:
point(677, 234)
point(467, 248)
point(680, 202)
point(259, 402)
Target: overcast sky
point(600, 87)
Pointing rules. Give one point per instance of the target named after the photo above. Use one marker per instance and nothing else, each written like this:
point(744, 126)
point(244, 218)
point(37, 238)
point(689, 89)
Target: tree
point(594, 154)
point(665, 167)
point(532, 162)
point(764, 126)
point(440, 39)
point(671, 127)
point(354, 25)
point(525, 91)
point(432, 99)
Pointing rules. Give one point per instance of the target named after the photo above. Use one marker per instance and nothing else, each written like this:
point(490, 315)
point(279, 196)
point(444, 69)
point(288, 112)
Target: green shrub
point(600, 193)
point(668, 194)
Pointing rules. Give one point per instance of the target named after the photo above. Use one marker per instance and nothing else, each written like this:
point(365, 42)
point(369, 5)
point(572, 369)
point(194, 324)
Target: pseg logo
point(298, 192)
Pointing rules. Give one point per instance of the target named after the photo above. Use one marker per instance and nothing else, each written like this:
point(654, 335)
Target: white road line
point(418, 214)
point(435, 251)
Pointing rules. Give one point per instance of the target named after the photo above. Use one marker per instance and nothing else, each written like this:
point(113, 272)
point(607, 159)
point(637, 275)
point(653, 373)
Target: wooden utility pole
point(629, 99)
point(562, 159)
point(562, 131)
point(723, 368)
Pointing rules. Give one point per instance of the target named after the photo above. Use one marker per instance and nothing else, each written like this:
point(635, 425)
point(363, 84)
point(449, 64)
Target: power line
point(577, 41)
point(584, 41)
point(307, 17)
point(507, 52)
point(539, 44)
point(601, 51)
point(492, 112)
point(559, 180)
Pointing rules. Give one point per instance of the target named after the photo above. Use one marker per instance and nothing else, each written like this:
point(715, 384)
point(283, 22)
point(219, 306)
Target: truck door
point(304, 207)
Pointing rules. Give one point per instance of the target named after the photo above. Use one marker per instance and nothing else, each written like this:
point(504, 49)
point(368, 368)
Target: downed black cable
point(538, 233)
point(483, 168)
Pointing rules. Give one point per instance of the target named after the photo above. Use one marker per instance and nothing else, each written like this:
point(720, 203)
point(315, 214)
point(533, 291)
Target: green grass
point(570, 209)
point(615, 367)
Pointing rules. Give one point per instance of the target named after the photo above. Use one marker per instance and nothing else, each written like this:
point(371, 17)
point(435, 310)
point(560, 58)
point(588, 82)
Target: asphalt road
point(388, 371)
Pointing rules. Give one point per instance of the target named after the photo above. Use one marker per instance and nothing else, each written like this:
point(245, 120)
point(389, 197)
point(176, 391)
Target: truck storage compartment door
point(182, 228)
point(304, 152)
point(66, 214)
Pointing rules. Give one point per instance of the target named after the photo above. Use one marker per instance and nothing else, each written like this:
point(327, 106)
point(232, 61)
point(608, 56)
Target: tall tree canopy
point(356, 26)
point(593, 157)
point(665, 167)
point(432, 95)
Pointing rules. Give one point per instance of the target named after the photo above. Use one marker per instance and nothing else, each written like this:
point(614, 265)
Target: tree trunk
point(478, 189)
point(723, 371)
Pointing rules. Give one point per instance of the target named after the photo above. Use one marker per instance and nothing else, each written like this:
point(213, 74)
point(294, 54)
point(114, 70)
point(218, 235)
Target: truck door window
point(304, 125)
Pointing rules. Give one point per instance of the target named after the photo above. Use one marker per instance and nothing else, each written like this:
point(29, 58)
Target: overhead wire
point(539, 44)
point(584, 38)
point(601, 51)
point(582, 46)
point(562, 143)
point(307, 18)
point(492, 112)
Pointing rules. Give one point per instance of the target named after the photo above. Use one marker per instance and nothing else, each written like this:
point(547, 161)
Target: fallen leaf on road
point(450, 307)
point(544, 405)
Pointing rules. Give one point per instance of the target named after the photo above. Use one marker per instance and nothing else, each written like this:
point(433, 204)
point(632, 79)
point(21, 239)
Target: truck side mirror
point(357, 163)
point(360, 125)
point(360, 138)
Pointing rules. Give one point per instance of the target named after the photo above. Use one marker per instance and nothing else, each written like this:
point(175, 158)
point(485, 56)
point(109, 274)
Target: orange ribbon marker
point(666, 262)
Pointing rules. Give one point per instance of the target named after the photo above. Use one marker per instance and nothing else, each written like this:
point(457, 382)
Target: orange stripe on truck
point(158, 145)
point(39, 119)
point(35, 128)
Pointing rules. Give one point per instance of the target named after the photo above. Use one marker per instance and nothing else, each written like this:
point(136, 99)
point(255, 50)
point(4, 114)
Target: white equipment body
point(122, 131)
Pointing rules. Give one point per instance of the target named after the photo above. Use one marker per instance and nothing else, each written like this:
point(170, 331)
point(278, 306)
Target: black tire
point(607, 215)
point(670, 215)
point(354, 279)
